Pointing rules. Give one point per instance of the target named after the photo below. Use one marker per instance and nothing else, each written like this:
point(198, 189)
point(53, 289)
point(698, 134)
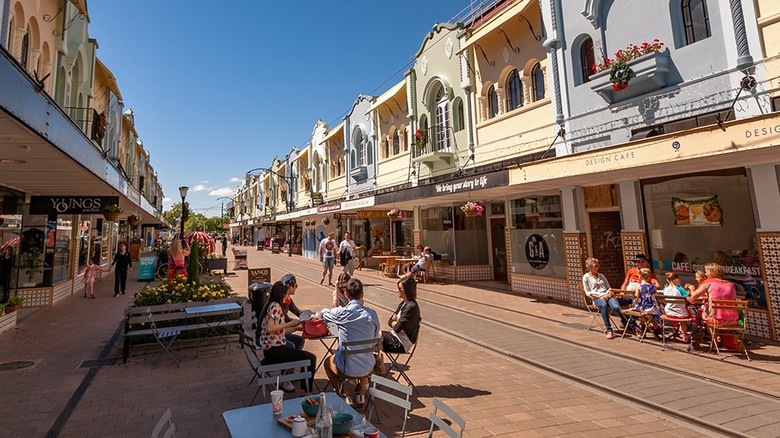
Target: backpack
point(344, 257)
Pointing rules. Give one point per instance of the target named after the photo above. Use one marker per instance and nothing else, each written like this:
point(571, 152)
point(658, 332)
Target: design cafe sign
point(71, 204)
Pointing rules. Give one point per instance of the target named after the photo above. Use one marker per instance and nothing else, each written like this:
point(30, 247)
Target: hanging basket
point(133, 220)
point(111, 216)
point(470, 213)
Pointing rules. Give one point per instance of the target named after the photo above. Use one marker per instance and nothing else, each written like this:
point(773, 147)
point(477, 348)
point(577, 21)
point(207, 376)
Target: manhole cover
point(96, 363)
point(574, 315)
point(17, 365)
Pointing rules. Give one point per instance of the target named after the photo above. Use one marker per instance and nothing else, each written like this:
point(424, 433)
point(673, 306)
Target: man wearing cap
point(632, 276)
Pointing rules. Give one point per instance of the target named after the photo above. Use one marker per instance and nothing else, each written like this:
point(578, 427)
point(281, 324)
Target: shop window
point(536, 236)
point(459, 240)
point(696, 220)
point(696, 20)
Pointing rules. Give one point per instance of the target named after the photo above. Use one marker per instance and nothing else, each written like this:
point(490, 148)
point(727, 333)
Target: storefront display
point(696, 220)
point(536, 237)
point(460, 240)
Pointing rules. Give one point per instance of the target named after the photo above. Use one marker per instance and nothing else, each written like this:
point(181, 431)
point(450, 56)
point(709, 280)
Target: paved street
point(517, 366)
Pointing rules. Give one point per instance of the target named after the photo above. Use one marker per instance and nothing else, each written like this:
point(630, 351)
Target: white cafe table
point(259, 421)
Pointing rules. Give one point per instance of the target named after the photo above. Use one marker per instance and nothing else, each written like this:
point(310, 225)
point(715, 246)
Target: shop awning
point(333, 132)
point(495, 22)
point(741, 143)
point(387, 95)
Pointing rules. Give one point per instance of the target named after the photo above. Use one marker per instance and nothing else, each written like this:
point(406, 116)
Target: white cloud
point(235, 180)
point(199, 188)
point(224, 191)
point(167, 200)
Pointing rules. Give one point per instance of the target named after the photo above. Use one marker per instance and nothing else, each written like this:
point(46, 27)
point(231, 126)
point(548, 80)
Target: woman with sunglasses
point(405, 321)
point(340, 298)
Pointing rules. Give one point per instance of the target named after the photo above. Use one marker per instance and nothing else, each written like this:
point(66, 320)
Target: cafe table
point(403, 262)
point(259, 420)
point(382, 259)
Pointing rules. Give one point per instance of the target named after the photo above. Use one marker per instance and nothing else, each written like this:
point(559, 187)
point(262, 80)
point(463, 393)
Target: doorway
point(606, 246)
point(498, 241)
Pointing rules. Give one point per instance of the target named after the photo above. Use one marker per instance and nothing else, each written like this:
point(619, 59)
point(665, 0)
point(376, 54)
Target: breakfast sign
point(700, 211)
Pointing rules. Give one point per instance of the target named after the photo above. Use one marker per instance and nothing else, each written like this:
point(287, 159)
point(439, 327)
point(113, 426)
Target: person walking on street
point(6, 266)
point(328, 257)
point(89, 277)
point(347, 253)
point(122, 263)
point(224, 245)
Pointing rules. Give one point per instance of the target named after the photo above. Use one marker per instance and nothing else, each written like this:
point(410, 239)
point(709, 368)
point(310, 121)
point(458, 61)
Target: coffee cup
point(371, 432)
point(277, 396)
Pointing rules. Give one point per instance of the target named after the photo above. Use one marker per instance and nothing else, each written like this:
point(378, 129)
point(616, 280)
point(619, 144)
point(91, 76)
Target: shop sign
point(463, 185)
point(336, 206)
point(358, 203)
point(70, 204)
point(536, 251)
point(146, 266)
point(259, 275)
point(371, 214)
point(345, 215)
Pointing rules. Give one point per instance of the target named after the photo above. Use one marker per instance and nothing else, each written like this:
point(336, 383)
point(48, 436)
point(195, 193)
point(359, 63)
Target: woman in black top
point(122, 263)
point(405, 321)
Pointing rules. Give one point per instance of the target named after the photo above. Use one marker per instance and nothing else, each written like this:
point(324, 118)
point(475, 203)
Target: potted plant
point(396, 214)
point(133, 219)
point(472, 208)
point(620, 73)
point(420, 139)
point(14, 303)
point(112, 212)
point(31, 262)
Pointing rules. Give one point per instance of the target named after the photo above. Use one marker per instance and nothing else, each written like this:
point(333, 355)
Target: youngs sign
point(70, 204)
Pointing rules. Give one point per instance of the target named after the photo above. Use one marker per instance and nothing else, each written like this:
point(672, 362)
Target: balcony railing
point(434, 140)
point(88, 120)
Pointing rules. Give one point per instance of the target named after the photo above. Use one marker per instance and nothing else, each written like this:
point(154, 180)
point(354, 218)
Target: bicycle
point(162, 270)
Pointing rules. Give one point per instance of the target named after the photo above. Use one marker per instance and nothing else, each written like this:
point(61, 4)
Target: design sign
point(536, 251)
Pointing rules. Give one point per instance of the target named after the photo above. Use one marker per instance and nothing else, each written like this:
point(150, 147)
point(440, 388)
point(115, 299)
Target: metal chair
point(268, 374)
point(663, 301)
point(352, 348)
point(437, 420)
point(595, 312)
point(378, 390)
point(164, 427)
point(396, 364)
point(717, 329)
point(251, 351)
point(165, 337)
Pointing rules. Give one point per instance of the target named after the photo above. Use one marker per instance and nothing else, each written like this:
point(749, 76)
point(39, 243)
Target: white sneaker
point(287, 387)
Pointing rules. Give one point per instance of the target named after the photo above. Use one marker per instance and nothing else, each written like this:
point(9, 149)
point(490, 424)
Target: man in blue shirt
point(355, 323)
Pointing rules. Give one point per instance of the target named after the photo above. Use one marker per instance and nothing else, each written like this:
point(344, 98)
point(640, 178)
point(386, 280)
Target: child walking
point(89, 278)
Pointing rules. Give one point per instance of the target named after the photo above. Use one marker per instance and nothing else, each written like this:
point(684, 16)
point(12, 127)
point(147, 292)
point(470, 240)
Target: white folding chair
point(164, 337)
point(399, 366)
point(375, 391)
point(437, 420)
point(164, 427)
point(352, 348)
point(268, 375)
point(595, 312)
point(252, 353)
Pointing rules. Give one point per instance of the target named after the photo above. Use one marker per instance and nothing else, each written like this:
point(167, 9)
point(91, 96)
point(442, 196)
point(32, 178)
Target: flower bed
point(181, 291)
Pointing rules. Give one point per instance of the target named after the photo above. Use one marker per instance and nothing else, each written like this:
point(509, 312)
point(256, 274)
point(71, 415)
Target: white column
point(631, 208)
point(765, 191)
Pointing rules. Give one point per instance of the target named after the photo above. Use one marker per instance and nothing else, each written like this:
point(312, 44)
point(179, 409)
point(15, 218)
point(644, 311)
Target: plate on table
point(306, 315)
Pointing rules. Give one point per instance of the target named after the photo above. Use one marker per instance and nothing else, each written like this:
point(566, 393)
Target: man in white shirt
point(328, 257)
point(347, 248)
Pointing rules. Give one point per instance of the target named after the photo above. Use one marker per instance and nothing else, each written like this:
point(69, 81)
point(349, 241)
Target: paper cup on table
point(371, 432)
point(277, 396)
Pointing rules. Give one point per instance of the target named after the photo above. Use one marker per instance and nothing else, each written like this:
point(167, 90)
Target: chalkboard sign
point(259, 275)
point(274, 246)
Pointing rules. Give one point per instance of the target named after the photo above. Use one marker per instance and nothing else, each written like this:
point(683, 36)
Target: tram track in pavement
point(533, 349)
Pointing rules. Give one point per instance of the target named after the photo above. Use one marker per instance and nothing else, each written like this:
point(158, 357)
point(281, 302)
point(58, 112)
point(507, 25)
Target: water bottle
point(324, 422)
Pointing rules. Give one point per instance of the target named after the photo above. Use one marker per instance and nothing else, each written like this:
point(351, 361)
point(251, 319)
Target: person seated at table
point(716, 288)
point(425, 257)
point(405, 321)
point(291, 283)
point(418, 254)
point(596, 286)
point(273, 335)
point(645, 301)
point(340, 298)
point(633, 279)
point(675, 311)
point(356, 322)
point(700, 276)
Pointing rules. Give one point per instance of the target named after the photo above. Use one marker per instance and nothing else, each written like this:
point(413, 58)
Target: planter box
point(651, 73)
point(216, 264)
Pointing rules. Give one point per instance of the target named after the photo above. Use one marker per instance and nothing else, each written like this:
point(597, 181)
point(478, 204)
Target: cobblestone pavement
point(517, 367)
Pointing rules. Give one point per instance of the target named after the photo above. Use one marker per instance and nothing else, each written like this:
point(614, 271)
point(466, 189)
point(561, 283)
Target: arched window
point(359, 148)
point(696, 20)
point(25, 53)
point(514, 91)
point(385, 147)
point(492, 101)
point(442, 120)
point(396, 142)
point(586, 60)
point(537, 76)
point(460, 116)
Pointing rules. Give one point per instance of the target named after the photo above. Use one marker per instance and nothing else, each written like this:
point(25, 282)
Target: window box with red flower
point(396, 215)
point(634, 71)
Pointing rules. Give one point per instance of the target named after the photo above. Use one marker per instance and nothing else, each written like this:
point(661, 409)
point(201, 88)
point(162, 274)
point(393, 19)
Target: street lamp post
point(289, 202)
point(183, 193)
point(222, 211)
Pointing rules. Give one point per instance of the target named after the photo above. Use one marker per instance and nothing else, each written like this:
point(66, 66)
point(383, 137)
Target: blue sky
point(219, 88)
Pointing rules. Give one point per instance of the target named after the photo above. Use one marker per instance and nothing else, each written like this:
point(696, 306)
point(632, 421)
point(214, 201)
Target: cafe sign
point(336, 206)
point(71, 204)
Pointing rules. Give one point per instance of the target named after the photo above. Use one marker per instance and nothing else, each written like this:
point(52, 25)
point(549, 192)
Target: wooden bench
point(174, 316)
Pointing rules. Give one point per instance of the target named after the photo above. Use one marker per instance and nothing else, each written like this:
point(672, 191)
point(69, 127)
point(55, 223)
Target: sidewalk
point(471, 357)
